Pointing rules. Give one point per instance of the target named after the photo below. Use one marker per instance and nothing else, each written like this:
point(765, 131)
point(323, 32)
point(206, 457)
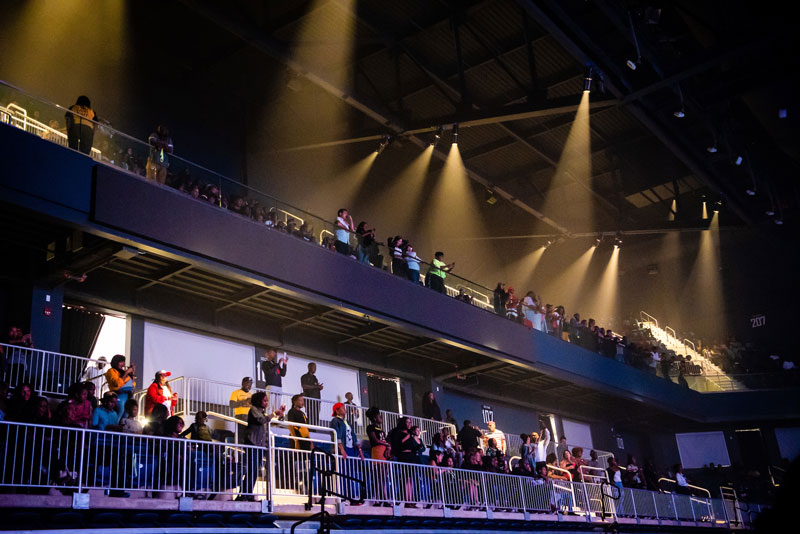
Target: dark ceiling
point(418, 64)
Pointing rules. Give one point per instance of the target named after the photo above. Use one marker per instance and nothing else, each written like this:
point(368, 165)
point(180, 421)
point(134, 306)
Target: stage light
point(738, 161)
point(587, 85)
point(455, 133)
point(717, 206)
point(631, 64)
point(618, 240)
point(549, 242)
point(673, 210)
point(679, 114)
point(597, 241)
point(770, 212)
point(783, 113)
point(778, 221)
point(491, 199)
point(750, 191)
point(711, 149)
point(439, 132)
point(383, 144)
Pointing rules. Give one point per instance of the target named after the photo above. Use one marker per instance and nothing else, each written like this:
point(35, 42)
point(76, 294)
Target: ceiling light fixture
point(712, 149)
point(751, 192)
point(778, 221)
point(455, 133)
point(738, 160)
point(587, 84)
point(681, 113)
point(717, 206)
point(383, 144)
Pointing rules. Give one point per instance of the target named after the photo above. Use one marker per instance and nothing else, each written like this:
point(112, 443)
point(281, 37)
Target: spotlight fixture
point(587, 85)
point(679, 113)
point(455, 133)
point(383, 144)
point(711, 149)
point(778, 221)
point(439, 132)
point(717, 206)
point(618, 240)
point(597, 241)
point(491, 199)
point(770, 212)
point(549, 242)
point(750, 191)
point(631, 64)
point(738, 160)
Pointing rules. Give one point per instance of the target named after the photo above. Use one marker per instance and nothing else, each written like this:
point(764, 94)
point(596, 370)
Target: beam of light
point(454, 211)
point(605, 305)
point(673, 210)
point(567, 286)
point(705, 210)
point(705, 290)
point(403, 195)
point(349, 181)
point(521, 272)
point(295, 112)
point(569, 194)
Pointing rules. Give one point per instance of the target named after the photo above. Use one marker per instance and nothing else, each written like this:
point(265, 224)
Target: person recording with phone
point(274, 370)
point(121, 380)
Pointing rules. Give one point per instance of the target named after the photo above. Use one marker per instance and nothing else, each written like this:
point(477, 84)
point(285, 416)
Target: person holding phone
point(121, 380)
point(274, 370)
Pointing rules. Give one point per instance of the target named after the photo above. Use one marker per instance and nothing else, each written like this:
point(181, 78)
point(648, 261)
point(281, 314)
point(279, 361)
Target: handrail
point(227, 418)
point(652, 319)
point(687, 342)
point(668, 329)
point(554, 468)
point(589, 467)
point(708, 493)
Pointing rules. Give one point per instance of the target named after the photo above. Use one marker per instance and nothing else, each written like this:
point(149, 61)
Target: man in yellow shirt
point(240, 403)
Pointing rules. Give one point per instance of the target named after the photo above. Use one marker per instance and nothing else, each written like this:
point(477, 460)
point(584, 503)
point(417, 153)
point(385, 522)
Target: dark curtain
point(382, 393)
point(79, 331)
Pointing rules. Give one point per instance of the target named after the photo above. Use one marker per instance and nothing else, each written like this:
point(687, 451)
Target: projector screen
point(788, 442)
point(189, 354)
point(578, 434)
point(701, 448)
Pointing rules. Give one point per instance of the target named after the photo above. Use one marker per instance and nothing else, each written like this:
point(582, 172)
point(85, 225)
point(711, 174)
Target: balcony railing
point(112, 147)
point(74, 460)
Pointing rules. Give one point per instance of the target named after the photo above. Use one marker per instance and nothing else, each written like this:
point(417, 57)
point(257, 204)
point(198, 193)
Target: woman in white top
point(344, 226)
point(533, 312)
point(412, 264)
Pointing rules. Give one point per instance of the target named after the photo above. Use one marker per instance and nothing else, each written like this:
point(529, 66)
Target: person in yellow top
point(437, 272)
point(80, 125)
point(121, 380)
point(240, 403)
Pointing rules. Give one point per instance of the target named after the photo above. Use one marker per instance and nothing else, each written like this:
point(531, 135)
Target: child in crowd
point(199, 430)
point(129, 422)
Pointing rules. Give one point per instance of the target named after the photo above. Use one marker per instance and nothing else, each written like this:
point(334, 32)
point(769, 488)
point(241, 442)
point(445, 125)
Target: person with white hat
point(159, 392)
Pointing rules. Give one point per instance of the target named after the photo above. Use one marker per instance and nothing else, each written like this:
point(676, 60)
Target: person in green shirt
point(437, 272)
point(199, 430)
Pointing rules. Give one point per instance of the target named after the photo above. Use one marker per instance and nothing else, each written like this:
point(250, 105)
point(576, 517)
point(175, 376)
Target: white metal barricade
point(49, 373)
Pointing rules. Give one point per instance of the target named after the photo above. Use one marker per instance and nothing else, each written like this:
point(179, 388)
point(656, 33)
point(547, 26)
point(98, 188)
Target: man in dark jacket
point(274, 370)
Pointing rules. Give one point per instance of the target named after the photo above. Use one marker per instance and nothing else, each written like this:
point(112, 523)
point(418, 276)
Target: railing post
point(633, 502)
point(522, 495)
point(655, 505)
point(185, 466)
point(80, 463)
point(586, 499)
point(485, 495)
point(392, 482)
point(674, 507)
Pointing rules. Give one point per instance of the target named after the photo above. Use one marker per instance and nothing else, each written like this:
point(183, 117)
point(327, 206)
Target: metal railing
point(73, 460)
point(123, 151)
point(647, 318)
point(177, 385)
point(50, 373)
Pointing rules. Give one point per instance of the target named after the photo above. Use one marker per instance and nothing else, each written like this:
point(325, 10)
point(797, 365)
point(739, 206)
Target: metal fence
point(49, 373)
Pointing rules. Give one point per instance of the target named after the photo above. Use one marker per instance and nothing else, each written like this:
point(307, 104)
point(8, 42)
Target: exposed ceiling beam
point(249, 32)
point(243, 296)
point(580, 51)
point(165, 274)
point(470, 370)
point(314, 312)
point(365, 331)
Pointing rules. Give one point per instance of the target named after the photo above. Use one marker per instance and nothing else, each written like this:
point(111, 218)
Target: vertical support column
point(46, 317)
point(136, 345)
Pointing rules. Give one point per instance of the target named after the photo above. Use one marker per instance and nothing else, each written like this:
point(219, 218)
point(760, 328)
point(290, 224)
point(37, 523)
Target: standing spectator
point(351, 410)
point(512, 305)
point(106, 416)
point(344, 226)
point(95, 370)
point(297, 415)
point(345, 438)
point(311, 390)
point(437, 272)
point(121, 380)
point(633, 476)
point(540, 441)
point(614, 472)
point(379, 447)
point(412, 264)
point(159, 392)
point(497, 435)
point(449, 419)
point(158, 162)
point(366, 239)
point(274, 370)
point(527, 451)
point(199, 429)
point(562, 446)
point(396, 245)
point(430, 408)
point(469, 436)
point(240, 403)
point(257, 419)
point(80, 125)
point(16, 361)
point(530, 310)
point(419, 446)
point(130, 423)
point(500, 297)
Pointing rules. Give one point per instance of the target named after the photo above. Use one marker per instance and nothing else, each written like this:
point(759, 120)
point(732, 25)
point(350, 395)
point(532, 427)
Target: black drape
point(382, 393)
point(79, 331)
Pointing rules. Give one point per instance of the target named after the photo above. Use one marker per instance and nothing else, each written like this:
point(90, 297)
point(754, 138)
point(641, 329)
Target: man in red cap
point(348, 447)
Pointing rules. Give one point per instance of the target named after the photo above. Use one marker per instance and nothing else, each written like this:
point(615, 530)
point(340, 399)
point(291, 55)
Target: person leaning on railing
point(121, 380)
point(437, 272)
point(80, 125)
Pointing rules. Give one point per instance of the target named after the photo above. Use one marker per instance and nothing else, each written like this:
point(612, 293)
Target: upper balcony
point(155, 251)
